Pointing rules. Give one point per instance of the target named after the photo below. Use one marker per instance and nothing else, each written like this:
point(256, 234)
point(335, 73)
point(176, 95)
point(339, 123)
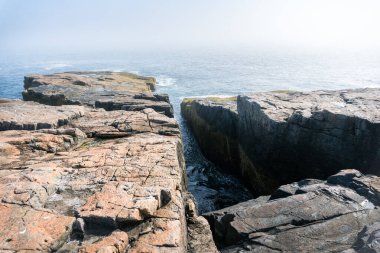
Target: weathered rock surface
point(93, 180)
point(26, 229)
point(198, 230)
point(108, 90)
point(273, 138)
point(113, 124)
point(339, 214)
point(129, 186)
point(15, 115)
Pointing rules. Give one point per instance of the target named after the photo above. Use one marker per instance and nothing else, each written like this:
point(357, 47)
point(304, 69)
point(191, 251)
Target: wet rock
point(317, 217)
point(274, 138)
point(108, 90)
point(19, 115)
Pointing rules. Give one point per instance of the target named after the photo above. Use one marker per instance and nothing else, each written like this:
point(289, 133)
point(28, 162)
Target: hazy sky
point(124, 24)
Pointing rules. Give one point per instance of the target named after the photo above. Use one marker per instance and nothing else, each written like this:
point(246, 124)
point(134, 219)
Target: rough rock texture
point(214, 123)
point(127, 190)
point(273, 138)
point(26, 229)
point(93, 181)
point(113, 124)
point(198, 230)
point(15, 115)
point(339, 214)
point(108, 90)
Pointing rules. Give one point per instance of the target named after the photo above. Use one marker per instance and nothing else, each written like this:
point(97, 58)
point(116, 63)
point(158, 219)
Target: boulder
point(274, 138)
point(317, 216)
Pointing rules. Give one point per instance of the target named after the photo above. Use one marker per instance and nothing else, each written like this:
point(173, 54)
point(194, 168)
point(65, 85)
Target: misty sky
point(125, 24)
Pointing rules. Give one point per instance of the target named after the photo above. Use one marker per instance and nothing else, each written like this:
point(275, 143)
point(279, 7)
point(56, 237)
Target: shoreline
point(101, 156)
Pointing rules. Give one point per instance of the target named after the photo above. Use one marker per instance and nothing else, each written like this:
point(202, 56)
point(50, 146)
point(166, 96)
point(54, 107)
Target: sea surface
point(189, 73)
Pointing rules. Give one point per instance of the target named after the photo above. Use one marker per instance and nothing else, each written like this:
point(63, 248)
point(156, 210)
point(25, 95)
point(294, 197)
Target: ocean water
point(200, 73)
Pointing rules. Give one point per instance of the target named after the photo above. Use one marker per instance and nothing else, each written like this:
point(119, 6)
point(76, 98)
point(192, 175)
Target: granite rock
point(37, 230)
point(112, 124)
point(200, 239)
point(274, 138)
point(327, 216)
point(15, 115)
point(96, 181)
point(108, 90)
point(214, 122)
point(112, 184)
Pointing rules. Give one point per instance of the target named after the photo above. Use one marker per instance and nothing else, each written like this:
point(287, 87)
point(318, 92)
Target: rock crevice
point(75, 178)
point(273, 138)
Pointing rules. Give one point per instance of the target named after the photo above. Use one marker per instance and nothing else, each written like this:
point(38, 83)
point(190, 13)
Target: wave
point(163, 80)
point(57, 66)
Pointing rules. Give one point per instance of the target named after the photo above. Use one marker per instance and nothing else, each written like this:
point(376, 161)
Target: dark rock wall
point(215, 130)
point(303, 147)
point(271, 139)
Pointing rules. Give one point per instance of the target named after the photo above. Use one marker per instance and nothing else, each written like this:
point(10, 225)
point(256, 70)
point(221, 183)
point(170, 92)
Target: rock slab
point(75, 178)
point(15, 115)
point(340, 214)
point(108, 90)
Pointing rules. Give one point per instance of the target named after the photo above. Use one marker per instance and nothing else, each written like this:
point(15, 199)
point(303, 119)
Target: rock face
point(15, 115)
point(273, 138)
point(214, 122)
point(199, 233)
point(108, 90)
point(79, 179)
point(340, 214)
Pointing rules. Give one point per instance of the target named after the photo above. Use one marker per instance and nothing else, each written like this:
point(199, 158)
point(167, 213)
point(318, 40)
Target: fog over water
point(67, 25)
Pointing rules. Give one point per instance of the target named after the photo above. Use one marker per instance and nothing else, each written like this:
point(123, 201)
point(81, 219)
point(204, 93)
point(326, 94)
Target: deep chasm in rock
point(274, 138)
point(94, 164)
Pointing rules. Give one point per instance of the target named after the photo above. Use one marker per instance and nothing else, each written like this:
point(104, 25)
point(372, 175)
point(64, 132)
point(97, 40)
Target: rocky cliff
point(274, 138)
point(340, 214)
point(214, 122)
point(81, 176)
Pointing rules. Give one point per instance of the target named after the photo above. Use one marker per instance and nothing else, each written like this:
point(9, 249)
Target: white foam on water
point(163, 80)
point(57, 66)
